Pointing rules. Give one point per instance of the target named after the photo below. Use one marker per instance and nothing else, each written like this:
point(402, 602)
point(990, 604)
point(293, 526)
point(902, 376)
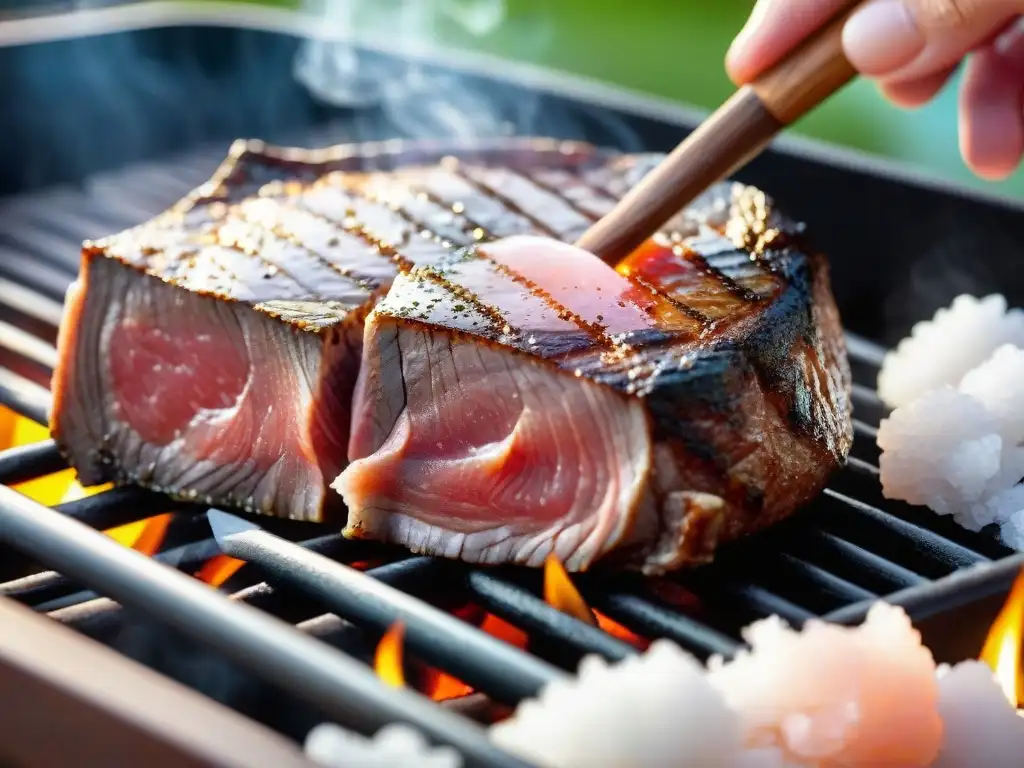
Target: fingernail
point(882, 37)
point(735, 57)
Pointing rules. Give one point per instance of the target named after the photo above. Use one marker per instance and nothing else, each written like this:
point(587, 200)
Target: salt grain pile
point(658, 709)
point(942, 350)
point(953, 442)
point(827, 696)
point(980, 729)
point(394, 746)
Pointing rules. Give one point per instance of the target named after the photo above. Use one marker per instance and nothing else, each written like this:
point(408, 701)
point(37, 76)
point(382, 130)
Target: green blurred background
point(675, 49)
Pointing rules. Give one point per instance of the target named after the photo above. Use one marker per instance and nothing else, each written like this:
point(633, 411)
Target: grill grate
point(848, 549)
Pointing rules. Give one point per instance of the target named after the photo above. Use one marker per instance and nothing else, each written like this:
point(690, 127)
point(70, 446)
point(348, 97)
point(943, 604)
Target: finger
point(992, 108)
point(905, 40)
point(774, 28)
point(911, 94)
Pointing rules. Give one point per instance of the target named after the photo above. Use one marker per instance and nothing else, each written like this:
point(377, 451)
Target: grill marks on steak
point(698, 393)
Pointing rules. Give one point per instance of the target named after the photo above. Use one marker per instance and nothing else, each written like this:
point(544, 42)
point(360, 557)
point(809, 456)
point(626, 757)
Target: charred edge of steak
point(791, 337)
point(199, 398)
point(252, 163)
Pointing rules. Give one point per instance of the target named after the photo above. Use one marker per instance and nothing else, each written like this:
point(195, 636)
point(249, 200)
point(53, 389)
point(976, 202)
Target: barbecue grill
point(289, 646)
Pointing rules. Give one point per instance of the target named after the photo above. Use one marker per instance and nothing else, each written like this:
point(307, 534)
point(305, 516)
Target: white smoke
point(419, 100)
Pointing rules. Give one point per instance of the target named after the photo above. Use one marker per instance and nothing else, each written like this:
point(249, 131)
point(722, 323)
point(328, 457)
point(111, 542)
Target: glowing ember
point(152, 536)
point(388, 660)
point(561, 593)
point(502, 630)
point(7, 417)
point(1002, 646)
point(620, 632)
point(440, 686)
point(219, 569)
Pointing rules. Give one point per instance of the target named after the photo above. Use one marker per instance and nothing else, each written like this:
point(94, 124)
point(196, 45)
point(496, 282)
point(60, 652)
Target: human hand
point(911, 48)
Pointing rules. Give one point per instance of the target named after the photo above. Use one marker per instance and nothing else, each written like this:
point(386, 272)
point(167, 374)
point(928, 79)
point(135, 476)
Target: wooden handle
point(809, 74)
point(729, 138)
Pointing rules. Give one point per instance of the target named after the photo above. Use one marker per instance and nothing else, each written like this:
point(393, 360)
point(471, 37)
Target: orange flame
point(153, 534)
point(219, 569)
point(1003, 644)
point(561, 593)
point(387, 662)
point(440, 686)
point(625, 634)
point(502, 630)
point(51, 490)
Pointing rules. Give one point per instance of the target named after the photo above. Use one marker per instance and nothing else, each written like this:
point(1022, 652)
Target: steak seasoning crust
point(515, 396)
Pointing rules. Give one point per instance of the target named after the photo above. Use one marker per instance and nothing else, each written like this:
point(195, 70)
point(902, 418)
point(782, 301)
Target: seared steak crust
point(724, 328)
point(741, 368)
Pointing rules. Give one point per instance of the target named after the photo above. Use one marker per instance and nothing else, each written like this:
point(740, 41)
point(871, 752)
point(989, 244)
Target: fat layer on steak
point(523, 398)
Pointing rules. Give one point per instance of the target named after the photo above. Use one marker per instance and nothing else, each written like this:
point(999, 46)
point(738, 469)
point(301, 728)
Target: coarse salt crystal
point(980, 726)
point(959, 450)
point(394, 746)
point(942, 450)
point(650, 711)
point(834, 695)
point(942, 350)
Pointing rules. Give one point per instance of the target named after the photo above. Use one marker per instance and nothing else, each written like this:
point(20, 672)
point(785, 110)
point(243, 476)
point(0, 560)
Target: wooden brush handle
point(728, 139)
point(809, 74)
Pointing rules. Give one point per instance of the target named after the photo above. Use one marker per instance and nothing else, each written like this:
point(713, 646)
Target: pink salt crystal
point(982, 728)
point(837, 696)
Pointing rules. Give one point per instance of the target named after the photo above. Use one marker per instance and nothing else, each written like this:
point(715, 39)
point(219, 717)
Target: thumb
point(906, 40)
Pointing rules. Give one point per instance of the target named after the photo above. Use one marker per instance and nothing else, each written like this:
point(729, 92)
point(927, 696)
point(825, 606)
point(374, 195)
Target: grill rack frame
point(514, 595)
point(301, 566)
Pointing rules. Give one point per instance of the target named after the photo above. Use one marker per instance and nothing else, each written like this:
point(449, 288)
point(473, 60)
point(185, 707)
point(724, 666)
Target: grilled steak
point(213, 353)
point(524, 398)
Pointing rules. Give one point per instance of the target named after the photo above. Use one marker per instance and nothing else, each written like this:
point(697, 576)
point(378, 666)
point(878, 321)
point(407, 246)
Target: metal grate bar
point(28, 346)
point(119, 506)
point(522, 608)
point(30, 303)
point(828, 584)
point(341, 686)
point(105, 616)
point(761, 602)
point(864, 350)
point(36, 275)
point(884, 575)
point(28, 462)
point(949, 554)
point(45, 587)
point(653, 618)
point(24, 396)
point(482, 661)
point(960, 588)
point(862, 429)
